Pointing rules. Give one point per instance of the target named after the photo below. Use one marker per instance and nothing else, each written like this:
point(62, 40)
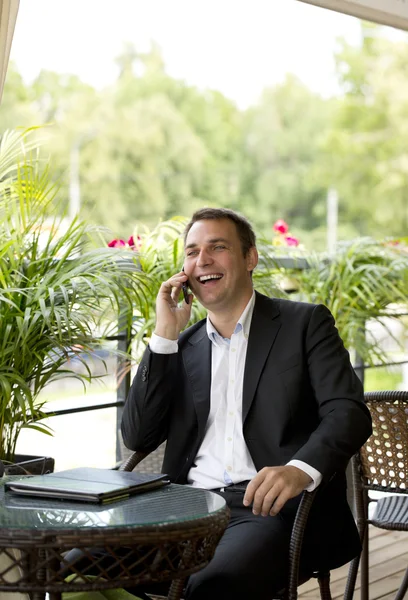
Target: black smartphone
point(184, 287)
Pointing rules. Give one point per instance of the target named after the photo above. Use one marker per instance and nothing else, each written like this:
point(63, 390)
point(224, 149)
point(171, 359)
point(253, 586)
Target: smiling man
point(258, 402)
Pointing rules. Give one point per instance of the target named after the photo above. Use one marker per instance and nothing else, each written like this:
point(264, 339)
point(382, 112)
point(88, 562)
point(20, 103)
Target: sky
point(236, 46)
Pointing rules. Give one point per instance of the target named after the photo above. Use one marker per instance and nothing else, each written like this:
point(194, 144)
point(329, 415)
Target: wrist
point(168, 333)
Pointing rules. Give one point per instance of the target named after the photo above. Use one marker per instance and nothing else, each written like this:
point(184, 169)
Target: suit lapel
point(264, 328)
point(197, 362)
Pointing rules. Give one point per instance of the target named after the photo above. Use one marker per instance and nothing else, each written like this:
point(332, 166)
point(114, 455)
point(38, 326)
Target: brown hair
point(244, 229)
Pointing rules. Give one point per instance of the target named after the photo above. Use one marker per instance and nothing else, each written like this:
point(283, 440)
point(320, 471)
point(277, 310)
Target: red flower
point(281, 226)
point(291, 241)
point(117, 243)
point(135, 245)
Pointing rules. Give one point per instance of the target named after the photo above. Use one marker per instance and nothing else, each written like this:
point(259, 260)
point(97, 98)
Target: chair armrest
point(134, 459)
point(296, 540)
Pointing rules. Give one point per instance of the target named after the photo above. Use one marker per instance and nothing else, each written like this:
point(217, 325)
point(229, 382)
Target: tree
point(17, 109)
point(365, 151)
point(281, 140)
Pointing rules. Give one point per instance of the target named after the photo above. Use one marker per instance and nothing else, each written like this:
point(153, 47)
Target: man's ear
point(252, 258)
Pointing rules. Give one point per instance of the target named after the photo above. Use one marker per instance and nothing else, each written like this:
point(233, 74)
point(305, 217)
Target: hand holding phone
point(184, 287)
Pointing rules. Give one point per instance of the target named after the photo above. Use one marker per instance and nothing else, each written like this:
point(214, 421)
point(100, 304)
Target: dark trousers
point(250, 562)
point(251, 559)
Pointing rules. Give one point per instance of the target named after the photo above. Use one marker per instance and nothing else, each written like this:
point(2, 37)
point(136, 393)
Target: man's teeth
point(207, 277)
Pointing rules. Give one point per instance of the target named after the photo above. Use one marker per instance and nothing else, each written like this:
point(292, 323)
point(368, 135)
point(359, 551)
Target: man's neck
point(225, 320)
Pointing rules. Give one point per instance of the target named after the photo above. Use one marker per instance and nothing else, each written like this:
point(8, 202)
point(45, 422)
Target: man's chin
point(210, 302)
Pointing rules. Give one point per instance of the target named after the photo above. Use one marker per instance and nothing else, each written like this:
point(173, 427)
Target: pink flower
point(281, 226)
point(135, 244)
point(291, 241)
point(117, 243)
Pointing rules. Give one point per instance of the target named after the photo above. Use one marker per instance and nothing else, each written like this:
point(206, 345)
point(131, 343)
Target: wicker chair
point(381, 465)
point(150, 461)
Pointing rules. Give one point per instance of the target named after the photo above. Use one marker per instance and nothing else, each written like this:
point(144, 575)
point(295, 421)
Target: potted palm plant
point(59, 285)
point(364, 281)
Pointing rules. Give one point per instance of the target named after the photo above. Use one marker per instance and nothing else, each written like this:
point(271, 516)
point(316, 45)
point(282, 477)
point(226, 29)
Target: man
point(257, 402)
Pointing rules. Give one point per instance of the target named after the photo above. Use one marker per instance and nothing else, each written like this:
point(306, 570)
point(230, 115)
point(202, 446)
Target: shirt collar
point(243, 323)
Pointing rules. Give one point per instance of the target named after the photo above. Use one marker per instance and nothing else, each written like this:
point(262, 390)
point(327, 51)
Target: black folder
point(87, 484)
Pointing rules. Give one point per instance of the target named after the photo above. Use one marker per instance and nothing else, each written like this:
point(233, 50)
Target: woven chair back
point(384, 457)
point(152, 463)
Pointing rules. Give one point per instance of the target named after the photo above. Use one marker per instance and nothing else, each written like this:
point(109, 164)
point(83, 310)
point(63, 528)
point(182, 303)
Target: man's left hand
point(272, 487)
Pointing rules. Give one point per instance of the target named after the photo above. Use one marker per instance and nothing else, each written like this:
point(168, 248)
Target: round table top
point(169, 504)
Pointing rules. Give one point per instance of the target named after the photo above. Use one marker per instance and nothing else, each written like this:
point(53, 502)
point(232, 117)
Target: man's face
point(219, 274)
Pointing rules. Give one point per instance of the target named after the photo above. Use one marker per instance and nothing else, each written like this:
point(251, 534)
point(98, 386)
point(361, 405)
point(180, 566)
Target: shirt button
point(246, 336)
point(229, 439)
point(232, 380)
point(231, 414)
point(233, 349)
point(229, 468)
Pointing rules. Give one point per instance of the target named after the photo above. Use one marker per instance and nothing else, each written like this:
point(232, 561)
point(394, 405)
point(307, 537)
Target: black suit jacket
point(301, 400)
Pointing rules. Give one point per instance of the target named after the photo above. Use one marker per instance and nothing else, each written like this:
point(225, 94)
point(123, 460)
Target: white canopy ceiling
point(385, 12)
point(8, 16)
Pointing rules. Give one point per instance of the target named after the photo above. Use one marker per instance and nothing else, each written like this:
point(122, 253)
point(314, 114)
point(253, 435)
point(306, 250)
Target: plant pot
point(25, 464)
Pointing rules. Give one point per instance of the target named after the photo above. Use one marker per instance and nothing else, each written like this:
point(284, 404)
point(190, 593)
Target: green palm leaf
point(58, 287)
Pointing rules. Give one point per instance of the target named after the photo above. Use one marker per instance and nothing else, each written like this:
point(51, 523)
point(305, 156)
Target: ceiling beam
point(385, 12)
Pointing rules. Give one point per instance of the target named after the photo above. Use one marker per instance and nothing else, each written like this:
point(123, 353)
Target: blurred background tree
point(151, 146)
point(366, 152)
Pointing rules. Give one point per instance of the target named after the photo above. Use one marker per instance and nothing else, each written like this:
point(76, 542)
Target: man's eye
point(192, 253)
point(219, 247)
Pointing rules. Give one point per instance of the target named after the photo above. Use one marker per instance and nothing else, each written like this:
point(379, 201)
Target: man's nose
point(203, 259)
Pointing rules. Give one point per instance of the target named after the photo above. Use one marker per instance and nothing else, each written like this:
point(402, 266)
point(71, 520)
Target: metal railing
point(123, 378)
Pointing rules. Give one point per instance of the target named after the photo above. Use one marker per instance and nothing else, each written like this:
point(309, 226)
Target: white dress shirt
point(223, 457)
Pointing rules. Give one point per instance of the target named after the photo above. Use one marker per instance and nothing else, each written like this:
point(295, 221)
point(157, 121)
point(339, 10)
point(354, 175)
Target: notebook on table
point(87, 484)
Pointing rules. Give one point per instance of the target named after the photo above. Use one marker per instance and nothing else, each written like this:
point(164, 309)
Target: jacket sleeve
point(147, 407)
point(344, 420)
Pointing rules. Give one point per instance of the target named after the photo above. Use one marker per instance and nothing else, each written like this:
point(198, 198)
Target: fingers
point(266, 496)
point(174, 283)
point(271, 488)
point(175, 293)
point(252, 487)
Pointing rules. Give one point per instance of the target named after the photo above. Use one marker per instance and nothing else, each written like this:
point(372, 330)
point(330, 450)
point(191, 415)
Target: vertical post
point(332, 218)
point(358, 361)
point(122, 377)
point(74, 185)
point(359, 369)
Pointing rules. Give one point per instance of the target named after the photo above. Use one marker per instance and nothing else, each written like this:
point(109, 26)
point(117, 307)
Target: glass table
point(157, 536)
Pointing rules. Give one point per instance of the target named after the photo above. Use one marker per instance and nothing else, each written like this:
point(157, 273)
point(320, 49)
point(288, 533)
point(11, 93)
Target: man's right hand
point(170, 317)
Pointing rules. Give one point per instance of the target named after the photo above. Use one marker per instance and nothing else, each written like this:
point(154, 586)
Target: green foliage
point(379, 379)
point(283, 136)
point(365, 150)
point(363, 281)
point(58, 290)
point(153, 146)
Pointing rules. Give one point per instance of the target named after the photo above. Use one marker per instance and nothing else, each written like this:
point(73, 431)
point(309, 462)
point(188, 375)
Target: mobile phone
point(184, 287)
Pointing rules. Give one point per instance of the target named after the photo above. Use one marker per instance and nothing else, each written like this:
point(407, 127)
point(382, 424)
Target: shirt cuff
point(311, 471)
point(161, 345)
